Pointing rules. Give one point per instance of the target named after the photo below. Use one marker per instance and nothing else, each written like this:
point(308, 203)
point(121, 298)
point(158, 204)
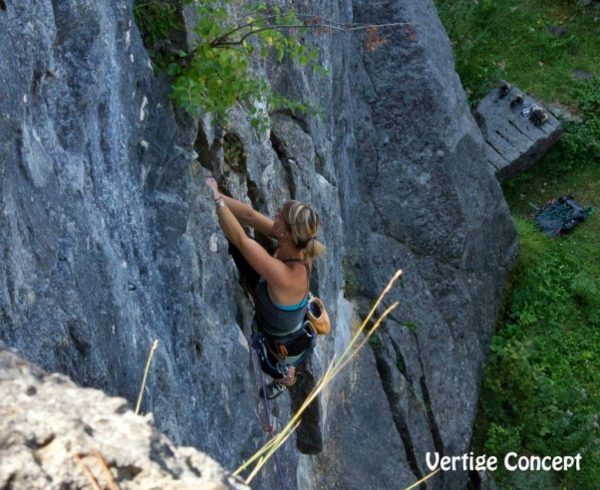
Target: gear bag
point(558, 216)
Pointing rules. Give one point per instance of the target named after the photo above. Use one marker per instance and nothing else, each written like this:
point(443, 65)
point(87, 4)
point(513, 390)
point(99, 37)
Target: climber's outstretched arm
point(273, 270)
point(250, 217)
point(244, 213)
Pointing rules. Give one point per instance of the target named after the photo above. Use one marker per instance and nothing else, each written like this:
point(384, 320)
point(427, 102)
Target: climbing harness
point(276, 369)
point(277, 353)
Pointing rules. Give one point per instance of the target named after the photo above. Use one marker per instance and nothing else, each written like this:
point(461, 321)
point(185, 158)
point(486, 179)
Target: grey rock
point(557, 30)
point(487, 481)
point(564, 113)
point(401, 376)
point(584, 3)
point(110, 239)
point(52, 430)
point(109, 243)
point(352, 454)
point(583, 75)
point(514, 142)
point(309, 435)
point(432, 207)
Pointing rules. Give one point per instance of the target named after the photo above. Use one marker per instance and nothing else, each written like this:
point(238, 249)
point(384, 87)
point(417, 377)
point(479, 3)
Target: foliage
point(351, 282)
point(582, 140)
point(234, 157)
point(159, 23)
point(518, 41)
point(501, 440)
point(216, 72)
point(541, 392)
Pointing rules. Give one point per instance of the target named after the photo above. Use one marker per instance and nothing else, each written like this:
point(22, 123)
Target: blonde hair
point(303, 224)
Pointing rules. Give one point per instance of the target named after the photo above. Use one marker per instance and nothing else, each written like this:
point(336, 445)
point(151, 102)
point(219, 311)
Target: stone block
point(514, 141)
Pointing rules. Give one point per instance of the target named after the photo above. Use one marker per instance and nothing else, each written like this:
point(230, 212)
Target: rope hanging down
point(269, 427)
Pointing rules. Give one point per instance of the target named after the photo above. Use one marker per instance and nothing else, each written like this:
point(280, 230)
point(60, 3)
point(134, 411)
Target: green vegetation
point(542, 390)
point(161, 27)
point(514, 40)
point(541, 394)
point(216, 71)
point(234, 157)
point(351, 282)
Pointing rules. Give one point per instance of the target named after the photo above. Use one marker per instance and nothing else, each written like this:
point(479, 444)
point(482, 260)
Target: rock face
point(110, 238)
point(432, 209)
point(52, 430)
point(514, 141)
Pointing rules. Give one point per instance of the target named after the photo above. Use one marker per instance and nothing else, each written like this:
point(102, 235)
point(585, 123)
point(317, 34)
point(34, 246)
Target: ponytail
point(314, 248)
point(303, 224)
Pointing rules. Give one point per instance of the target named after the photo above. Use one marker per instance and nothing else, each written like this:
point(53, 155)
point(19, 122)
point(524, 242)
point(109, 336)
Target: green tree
point(216, 71)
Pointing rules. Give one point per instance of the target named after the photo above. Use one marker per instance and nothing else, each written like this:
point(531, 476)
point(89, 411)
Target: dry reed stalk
point(145, 377)
point(107, 473)
point(417, 483)
point(264, 453)
point(90, 476)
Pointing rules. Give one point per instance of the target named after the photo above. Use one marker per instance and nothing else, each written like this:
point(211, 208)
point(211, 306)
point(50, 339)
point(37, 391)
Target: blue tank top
point(276, 319)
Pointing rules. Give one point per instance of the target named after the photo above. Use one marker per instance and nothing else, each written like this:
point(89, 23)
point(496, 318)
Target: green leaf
point(214, 78)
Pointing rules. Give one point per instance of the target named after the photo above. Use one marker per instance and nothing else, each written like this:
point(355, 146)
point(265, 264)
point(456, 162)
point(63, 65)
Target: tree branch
point(300, 26)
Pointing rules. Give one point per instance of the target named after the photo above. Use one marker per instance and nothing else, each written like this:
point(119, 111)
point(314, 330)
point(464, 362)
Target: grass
point(510, 39)
point(541, 393)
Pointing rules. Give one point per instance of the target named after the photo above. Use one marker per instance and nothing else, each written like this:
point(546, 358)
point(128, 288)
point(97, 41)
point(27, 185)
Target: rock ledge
point(52, 431)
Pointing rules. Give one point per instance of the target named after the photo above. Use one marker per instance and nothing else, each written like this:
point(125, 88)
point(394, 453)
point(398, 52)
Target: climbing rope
point(269, 427)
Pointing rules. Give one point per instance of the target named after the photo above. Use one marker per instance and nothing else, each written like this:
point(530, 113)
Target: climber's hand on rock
point(214, 187)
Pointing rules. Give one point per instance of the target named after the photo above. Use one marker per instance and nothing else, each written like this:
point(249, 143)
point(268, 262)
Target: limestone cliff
point(109, 237)
point(56, 435)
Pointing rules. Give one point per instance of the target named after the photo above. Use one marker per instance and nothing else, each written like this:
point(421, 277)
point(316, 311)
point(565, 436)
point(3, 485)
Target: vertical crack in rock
point(234, 157)
point(298, 120)
point(279, 148)
point(207, 153)
point(229, 149)
point(235, 161)
point(254, 194)
point(435, 431)
point(384, 367)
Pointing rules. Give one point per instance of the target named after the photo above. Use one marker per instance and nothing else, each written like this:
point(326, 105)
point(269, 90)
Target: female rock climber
point(279, 283)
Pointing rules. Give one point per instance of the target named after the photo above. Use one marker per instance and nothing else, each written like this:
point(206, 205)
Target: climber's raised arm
point(274, 271)
point(242, 212)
